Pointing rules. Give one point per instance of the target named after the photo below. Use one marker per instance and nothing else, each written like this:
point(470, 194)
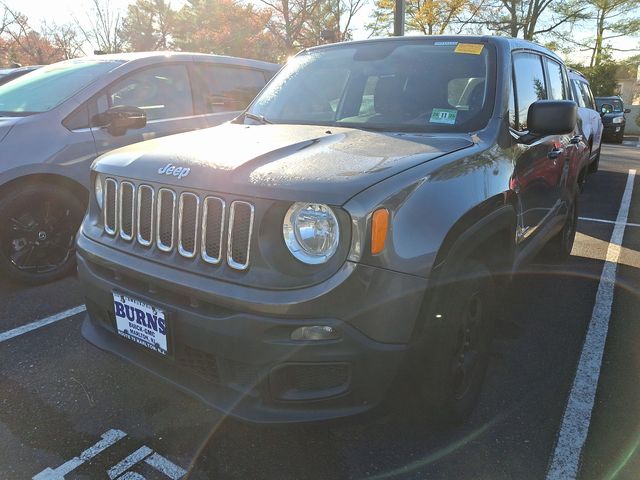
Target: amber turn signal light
point(379, 227)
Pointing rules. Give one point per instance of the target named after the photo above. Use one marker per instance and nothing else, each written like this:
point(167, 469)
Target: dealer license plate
point(140, 322)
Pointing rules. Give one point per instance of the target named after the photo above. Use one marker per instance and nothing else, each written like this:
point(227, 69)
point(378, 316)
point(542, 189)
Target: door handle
point(555, 153)
point(576, 139)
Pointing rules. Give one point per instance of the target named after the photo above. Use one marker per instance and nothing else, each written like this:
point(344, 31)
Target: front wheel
point(455, 345)
point(39, 223)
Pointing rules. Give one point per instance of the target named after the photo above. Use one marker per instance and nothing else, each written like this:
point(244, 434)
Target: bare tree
point(104, 25)
point(65, 38)
point(290, 22)
point(530, 18)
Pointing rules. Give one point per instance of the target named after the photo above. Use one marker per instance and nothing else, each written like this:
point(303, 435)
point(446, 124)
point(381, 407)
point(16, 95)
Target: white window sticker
point(442, 115)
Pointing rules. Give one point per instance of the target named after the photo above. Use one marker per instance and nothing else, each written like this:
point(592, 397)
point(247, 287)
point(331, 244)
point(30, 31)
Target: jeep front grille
point(188, 212)
point(146, 196)
point(187, 223)
point(240, 226)
point(127, 193)
point(110, 200)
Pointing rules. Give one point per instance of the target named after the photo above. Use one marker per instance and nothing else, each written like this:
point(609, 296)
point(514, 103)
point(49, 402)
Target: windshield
point(403, 86)
point(47, 87)
point(617, 104)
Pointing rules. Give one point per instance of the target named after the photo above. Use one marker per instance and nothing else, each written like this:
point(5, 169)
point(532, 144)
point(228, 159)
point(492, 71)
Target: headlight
point(98, 190)
point(618, 119)
point(311, 232)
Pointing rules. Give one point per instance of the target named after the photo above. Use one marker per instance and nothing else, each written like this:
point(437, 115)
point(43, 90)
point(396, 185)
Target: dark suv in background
point(612, 111)
point(360, 219)
point(56, 120)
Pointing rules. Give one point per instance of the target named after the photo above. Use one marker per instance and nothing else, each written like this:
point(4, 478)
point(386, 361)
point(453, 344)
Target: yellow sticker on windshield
point(471, 48)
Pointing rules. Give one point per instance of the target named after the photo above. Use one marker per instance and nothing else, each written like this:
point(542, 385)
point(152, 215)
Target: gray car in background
point(56, 120)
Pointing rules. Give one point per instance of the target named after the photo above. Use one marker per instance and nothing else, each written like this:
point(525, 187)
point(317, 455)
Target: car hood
point(286, 162)
point(6, 124)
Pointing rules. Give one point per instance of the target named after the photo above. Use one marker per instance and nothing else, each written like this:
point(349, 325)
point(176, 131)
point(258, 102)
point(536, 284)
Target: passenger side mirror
point(606, 108)
point(552, 117)
point(117, 120)
point(627, 110)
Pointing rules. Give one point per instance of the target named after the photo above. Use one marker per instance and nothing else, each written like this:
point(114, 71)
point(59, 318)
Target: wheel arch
point(76, 188)
point(486, 234)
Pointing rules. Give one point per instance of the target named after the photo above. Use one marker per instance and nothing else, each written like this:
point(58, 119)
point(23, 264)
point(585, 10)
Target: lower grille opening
point(201, 363)
point(309, 381)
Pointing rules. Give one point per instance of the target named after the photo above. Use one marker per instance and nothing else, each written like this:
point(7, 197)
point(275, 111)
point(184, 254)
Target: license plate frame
point(152, 332)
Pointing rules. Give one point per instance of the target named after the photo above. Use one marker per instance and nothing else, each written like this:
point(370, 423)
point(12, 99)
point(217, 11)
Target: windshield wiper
point(257, 118)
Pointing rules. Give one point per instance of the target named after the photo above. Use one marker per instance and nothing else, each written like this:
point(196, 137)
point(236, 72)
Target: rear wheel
point(559, 247)
point(454, 348)
point(39, 226)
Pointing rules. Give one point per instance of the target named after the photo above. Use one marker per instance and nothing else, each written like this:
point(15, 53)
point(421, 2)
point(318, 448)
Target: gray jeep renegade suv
point(358, 220)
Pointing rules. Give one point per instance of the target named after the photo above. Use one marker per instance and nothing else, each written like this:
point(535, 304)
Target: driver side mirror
point(627, 110)
point(552, 117)
point(117, 120)
point(606, 108)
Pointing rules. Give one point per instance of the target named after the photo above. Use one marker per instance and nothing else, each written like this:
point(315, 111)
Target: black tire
point(559, 247)
point(455, 345)
point(619, 138)
point(37, 234)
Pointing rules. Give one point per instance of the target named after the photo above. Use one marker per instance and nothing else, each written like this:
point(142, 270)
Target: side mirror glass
point(117, 120)
point(606, 108)
point(552, 117)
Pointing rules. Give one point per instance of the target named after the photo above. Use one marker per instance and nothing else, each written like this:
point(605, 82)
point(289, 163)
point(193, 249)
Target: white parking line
point(600, 220)
point(129, 462)
point(577, 415)
point(9, 334)
point(170, 469)
point(108, 438)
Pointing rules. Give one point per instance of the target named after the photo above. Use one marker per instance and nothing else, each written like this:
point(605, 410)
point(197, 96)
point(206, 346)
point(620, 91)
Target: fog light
point(315, 332)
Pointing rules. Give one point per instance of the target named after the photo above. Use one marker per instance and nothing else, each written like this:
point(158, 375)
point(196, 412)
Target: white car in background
point(589, 121)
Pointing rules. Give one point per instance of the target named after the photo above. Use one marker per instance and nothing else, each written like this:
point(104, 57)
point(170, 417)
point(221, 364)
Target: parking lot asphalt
point(69, 410)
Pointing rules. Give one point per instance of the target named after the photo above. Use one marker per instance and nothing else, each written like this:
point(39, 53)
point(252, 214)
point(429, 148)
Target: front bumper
point(233, 350)
point(613, 130)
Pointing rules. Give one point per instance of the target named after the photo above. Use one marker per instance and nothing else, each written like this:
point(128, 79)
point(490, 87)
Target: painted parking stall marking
point(611, 222)
point(4, 336)
point(108, 438)
point(122, 469)
point(565, 462)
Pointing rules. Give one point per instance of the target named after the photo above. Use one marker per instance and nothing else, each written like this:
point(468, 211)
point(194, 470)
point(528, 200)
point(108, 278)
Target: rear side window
point(162, 92)
point(591, 103)
point(583, 94)
point(228, 88)
point(557, 86)
point(530, 85)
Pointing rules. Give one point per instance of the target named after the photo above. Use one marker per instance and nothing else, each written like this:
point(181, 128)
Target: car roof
point(509, 42)
point(576, 73)
point(186, 56)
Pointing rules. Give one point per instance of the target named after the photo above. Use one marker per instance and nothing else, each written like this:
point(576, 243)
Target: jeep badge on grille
point(170, 169)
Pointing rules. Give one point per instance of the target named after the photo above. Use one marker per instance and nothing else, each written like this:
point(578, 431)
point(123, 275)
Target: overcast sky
point(63, 11)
